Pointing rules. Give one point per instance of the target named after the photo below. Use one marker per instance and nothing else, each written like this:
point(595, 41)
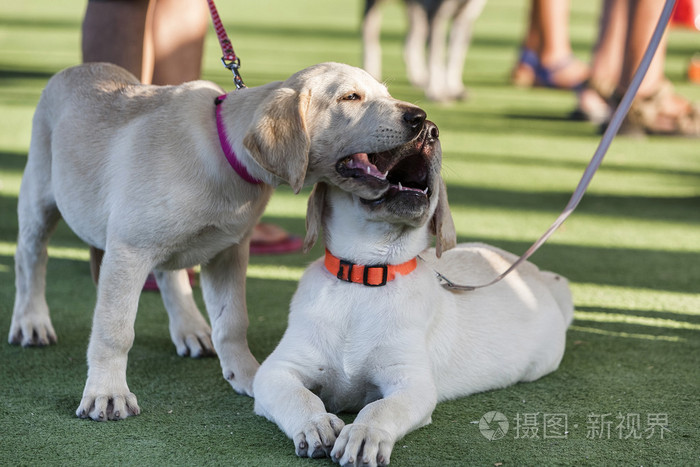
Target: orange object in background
point(694, 69)
point(687, 14)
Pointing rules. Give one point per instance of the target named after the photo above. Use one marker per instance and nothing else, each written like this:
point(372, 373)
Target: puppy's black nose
point(414, 117)
point(431, 130)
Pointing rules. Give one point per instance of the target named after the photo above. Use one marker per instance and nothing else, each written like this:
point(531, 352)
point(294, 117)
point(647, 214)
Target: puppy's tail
point(560, 290)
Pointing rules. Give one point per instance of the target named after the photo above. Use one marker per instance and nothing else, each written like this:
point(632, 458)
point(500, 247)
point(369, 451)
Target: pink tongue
point(361, 161)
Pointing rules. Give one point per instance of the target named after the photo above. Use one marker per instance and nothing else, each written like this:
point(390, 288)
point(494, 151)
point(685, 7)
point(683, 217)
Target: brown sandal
point(658, 114)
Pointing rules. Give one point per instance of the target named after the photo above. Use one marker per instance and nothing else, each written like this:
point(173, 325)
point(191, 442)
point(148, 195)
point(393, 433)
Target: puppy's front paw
point(102, 404)
point(32, 328)
point(316, 437)
point(362, 445)
point(102, 408)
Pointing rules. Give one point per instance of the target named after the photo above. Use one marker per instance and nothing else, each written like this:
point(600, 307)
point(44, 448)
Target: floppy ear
point(442, 225)
point(278, 139)
point(314, 215)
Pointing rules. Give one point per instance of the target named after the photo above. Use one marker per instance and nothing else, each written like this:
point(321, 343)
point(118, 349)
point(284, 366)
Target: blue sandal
point(544, 76)
point(525, 71)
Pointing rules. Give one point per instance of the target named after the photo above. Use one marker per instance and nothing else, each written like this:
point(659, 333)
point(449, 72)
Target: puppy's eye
point(353, 96)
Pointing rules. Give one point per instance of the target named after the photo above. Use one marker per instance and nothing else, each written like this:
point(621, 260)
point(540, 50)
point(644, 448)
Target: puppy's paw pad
point(363, 444)
point(317, 436)
point(31, 333)
point(102, 408)
point(195, 346)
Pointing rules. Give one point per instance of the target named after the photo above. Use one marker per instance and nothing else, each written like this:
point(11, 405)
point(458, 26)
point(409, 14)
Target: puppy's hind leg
point(560, 290)
point(38, 216)
point(188, 329)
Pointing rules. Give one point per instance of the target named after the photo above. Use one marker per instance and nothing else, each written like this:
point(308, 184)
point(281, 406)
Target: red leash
point(229, 59)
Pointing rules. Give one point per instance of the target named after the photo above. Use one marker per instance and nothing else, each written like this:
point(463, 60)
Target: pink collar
point(228, 150)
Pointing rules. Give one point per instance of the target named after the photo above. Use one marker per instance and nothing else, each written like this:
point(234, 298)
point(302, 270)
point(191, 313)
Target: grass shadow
point(628, 167)
point(651, 208)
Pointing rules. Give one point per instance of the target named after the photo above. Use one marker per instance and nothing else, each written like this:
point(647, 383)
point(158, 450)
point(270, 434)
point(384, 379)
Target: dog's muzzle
point(405, 169)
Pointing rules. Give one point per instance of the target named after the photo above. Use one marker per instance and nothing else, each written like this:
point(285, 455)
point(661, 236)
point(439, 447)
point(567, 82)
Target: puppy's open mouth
point(404, 170)
point(408, 175)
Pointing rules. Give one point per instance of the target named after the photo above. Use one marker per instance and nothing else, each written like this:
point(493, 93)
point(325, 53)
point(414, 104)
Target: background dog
point(139, 171)
point(372, 330)
point(440, 74)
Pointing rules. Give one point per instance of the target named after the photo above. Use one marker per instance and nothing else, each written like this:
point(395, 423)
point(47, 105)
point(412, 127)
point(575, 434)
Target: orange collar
point(373, 276)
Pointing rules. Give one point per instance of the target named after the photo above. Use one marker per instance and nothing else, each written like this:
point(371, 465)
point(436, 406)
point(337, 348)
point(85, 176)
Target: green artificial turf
point(628, 389)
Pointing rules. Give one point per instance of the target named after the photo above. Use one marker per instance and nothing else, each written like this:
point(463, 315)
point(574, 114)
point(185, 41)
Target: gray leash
point(598, 156)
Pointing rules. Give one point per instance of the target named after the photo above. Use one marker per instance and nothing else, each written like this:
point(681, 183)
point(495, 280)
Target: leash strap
point(373, 276)
point(229, 58)
point(598, 156)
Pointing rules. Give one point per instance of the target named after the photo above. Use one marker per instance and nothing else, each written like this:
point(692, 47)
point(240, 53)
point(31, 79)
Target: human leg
point(656, 109)
point(546, 56)
point(177, 29)
point(524, 72)
point(558, 65)
point(606, 65)
point(113, 31)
